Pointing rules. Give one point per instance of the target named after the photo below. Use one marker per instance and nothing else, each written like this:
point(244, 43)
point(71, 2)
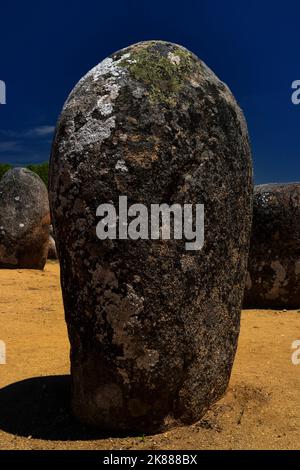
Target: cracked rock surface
point(153, 328)
point(273, 278)
point(24, 220)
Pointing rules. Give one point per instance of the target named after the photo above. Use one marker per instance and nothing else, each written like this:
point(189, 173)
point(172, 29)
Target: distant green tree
point(41, 169)
point(4, 167)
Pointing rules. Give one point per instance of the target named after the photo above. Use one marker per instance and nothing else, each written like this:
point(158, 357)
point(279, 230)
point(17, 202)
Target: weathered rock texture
point(153, 327)
point(52, 253)
point(24, 220)
point(273, 278)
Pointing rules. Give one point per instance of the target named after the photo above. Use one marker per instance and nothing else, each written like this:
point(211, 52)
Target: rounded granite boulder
point(273, 279)
point(153, 327)
point(24, 220)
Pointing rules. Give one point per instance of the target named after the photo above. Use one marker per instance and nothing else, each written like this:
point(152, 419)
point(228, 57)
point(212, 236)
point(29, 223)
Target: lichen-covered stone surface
point(273, 278)
point(24, 220)
point(153, 327)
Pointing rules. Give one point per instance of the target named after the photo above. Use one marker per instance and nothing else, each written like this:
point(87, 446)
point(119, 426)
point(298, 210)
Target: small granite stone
point(24, 220)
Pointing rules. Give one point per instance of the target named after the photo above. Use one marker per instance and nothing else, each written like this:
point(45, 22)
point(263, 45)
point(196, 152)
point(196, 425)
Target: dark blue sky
point(251, 45)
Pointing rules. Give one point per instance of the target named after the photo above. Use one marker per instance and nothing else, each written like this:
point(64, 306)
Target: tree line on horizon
point(41, 169)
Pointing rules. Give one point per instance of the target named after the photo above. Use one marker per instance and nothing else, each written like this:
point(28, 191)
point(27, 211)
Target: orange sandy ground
point(261, 409)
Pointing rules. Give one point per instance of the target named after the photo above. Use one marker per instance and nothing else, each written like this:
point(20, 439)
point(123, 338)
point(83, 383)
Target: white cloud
point(40, 131)
point(35, 132)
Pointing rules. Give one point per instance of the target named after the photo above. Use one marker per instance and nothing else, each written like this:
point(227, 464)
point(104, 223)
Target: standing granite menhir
point(24, 220)
point(273, 279)
point(153, 327)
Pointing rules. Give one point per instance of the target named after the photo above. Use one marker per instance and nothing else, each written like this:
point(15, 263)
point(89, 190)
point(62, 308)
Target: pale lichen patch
point(120, 165)
point(105, 107)
point(108, 66)
point(95, 131)
point(175, 59)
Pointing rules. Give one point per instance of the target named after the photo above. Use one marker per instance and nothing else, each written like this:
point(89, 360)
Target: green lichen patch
point(162, 70)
